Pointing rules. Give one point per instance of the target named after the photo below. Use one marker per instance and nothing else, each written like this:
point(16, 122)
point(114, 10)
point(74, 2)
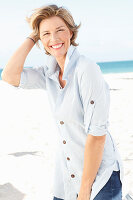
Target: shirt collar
point(53, 67)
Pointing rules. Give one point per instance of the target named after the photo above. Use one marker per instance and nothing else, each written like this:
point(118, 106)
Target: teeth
point(57, 46)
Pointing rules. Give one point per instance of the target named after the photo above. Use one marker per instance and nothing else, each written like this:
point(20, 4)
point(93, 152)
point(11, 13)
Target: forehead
point(51, 23)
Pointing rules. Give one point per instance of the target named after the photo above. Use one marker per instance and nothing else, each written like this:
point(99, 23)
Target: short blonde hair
point(48, 11)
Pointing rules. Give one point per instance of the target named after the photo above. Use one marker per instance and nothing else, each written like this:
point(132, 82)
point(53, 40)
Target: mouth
point(57, 46)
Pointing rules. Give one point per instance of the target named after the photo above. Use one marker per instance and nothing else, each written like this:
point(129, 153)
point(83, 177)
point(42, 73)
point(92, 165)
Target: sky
point(106, 32)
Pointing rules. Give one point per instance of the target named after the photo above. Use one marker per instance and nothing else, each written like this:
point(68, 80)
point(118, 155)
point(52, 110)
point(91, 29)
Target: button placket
point(64, 142)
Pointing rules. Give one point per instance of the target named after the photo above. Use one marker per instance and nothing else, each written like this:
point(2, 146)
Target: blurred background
point(106, 33)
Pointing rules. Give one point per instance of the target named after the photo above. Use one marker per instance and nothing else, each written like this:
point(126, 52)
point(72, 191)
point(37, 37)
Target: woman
point(88, 165)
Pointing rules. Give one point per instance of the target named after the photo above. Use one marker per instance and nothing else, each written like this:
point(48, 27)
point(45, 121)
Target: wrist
point(30, 38)
point(85, 184)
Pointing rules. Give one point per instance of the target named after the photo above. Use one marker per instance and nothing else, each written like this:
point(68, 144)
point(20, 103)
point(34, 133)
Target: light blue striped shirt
point(79, 109)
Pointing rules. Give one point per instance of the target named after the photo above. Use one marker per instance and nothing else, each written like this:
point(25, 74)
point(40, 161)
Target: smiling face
point(55, 36)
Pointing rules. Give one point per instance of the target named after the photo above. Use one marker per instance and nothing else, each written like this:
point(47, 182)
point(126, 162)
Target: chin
point(60, 55)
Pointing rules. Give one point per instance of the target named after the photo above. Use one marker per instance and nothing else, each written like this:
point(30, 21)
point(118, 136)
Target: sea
point(111, 67)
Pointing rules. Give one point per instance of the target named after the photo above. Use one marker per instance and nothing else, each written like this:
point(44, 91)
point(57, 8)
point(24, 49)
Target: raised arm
point(12, 71)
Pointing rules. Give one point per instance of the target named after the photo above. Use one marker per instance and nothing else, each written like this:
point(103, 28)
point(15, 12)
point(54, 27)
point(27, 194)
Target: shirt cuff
point(98, 130)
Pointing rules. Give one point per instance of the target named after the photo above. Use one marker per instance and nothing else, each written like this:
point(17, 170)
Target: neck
point(61, 63)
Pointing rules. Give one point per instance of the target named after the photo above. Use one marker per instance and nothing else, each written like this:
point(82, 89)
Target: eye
point(61, 30)
point(45, 34)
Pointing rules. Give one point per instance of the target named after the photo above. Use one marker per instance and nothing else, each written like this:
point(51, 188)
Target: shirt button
point(72, 175)
point(61, 122)
point(68, 158)
point(92, 102)
point(64, 142)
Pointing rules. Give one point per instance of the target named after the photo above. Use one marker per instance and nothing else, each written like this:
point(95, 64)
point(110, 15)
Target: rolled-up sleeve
point(95, 95)
point(33, 78)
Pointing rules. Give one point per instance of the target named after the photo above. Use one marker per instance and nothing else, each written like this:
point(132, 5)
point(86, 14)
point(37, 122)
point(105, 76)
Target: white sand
point(28, 138)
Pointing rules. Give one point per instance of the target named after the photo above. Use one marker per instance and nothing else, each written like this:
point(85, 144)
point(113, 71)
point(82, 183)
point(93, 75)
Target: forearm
point(14, 67)
point(92, 159)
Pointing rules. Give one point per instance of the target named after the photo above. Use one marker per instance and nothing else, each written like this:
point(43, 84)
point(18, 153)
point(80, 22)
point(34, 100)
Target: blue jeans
point(112, 189)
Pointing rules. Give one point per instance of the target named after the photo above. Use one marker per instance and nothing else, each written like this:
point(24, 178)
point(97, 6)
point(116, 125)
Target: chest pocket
point(88, 114)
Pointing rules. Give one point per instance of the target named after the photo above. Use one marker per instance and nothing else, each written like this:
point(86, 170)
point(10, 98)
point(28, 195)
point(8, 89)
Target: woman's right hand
point(34, 36)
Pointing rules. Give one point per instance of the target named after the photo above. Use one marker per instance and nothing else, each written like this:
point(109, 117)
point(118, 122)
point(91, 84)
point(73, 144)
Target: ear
point(71, 34)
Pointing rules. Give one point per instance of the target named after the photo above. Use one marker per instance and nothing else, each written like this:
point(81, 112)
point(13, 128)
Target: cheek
point(44, 42)
point(65, 36)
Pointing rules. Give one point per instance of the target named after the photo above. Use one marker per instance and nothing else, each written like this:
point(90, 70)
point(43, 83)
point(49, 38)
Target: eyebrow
point(56, 28)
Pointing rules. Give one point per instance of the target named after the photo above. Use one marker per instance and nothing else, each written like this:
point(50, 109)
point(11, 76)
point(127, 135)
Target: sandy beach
point(28, 138)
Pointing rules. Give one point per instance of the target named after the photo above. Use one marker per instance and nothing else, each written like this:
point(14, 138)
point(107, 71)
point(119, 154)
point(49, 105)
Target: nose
point(53, 37)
